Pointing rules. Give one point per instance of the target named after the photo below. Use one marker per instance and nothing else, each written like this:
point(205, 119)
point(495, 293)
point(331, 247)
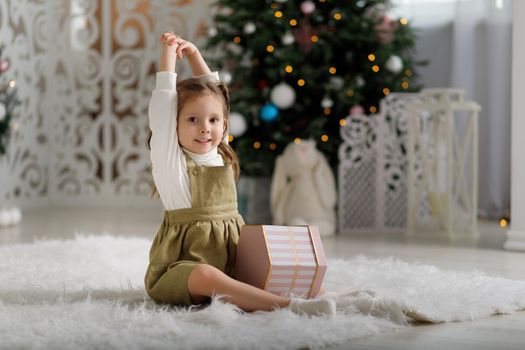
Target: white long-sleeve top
point(168, 161)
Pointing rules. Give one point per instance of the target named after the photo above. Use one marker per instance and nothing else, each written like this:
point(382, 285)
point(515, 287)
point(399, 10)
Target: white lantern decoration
point(237, 124)
point(282, 95)
point(394, 64)
point(249, 28)
point(288, 38)
point(3, 111)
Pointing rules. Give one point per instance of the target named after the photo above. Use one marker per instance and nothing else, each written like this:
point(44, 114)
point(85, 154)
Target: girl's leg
point(206, 280)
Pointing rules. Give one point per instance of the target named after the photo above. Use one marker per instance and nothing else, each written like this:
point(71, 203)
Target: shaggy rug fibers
point(87, 293)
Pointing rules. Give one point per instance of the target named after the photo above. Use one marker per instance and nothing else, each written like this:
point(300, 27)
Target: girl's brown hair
point(193, 87)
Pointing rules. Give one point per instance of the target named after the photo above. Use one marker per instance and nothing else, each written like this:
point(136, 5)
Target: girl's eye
point(192, 119)
point(214, 120)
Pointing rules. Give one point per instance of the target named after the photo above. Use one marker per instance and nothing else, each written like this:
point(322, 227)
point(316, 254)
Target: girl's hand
point(169, 39)
point(185, 48)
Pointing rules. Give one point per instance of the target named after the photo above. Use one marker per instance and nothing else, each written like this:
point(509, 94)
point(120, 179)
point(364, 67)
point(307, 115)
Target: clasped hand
point(182, 47)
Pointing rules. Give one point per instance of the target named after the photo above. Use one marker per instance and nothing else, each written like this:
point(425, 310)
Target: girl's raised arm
point(168, 57)
point(195, 59)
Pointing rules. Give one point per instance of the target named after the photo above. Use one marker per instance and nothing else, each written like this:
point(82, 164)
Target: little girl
point(194, 169)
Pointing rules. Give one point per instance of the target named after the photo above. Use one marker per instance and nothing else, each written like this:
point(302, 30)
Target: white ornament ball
point(327, 102)
point(249, 28)
point(282, 95)
point(16, 215)
point(212, 31)
point(234, 48)
point(360, 82)
point(288, 38)
point(337, 82)
point(394, 64)
point(237, 124)
point(308, 7)
point(3, 111)
point(225, 76)
point(5, 217)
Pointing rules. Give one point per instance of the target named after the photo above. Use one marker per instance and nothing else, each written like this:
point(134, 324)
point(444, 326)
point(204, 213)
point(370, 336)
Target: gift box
point(284, 260)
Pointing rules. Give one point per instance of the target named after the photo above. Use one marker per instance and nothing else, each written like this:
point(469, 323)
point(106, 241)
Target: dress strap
point(189, 162)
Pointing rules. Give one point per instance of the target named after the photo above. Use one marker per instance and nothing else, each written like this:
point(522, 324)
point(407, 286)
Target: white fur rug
point(88, 293)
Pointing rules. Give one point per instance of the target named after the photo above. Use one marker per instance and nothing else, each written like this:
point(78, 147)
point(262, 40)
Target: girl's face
point(200, 125)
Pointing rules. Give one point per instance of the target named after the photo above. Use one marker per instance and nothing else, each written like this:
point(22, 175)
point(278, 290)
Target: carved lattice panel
point(87, 68)
point(372, 168)
point(24, 170)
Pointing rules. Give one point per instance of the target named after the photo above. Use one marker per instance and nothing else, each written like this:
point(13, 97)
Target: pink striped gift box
point(284, 260)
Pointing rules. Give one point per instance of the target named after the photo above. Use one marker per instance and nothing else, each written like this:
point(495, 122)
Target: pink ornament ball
point(357, 109)
point(4, 65)
point(308, 7)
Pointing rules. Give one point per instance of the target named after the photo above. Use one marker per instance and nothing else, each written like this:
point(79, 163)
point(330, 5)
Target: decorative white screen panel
point(90, 67)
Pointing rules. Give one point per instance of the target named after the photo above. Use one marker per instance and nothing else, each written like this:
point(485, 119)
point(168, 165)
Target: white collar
point(204, 159)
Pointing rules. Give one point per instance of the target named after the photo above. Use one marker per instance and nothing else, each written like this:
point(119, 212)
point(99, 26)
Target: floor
point(484, 254)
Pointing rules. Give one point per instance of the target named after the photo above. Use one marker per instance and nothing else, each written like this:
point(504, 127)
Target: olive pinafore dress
point(207, 233)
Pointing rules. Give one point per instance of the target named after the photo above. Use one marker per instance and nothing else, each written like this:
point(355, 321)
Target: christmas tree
point(8, 102)
point(296, 69)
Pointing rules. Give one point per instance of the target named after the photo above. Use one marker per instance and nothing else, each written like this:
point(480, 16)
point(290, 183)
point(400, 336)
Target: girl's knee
point(207, 273)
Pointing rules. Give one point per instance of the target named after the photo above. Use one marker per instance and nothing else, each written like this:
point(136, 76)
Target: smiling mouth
point(202, 141)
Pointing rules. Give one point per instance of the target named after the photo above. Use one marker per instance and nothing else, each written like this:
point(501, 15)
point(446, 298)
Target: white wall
point(516, 234)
